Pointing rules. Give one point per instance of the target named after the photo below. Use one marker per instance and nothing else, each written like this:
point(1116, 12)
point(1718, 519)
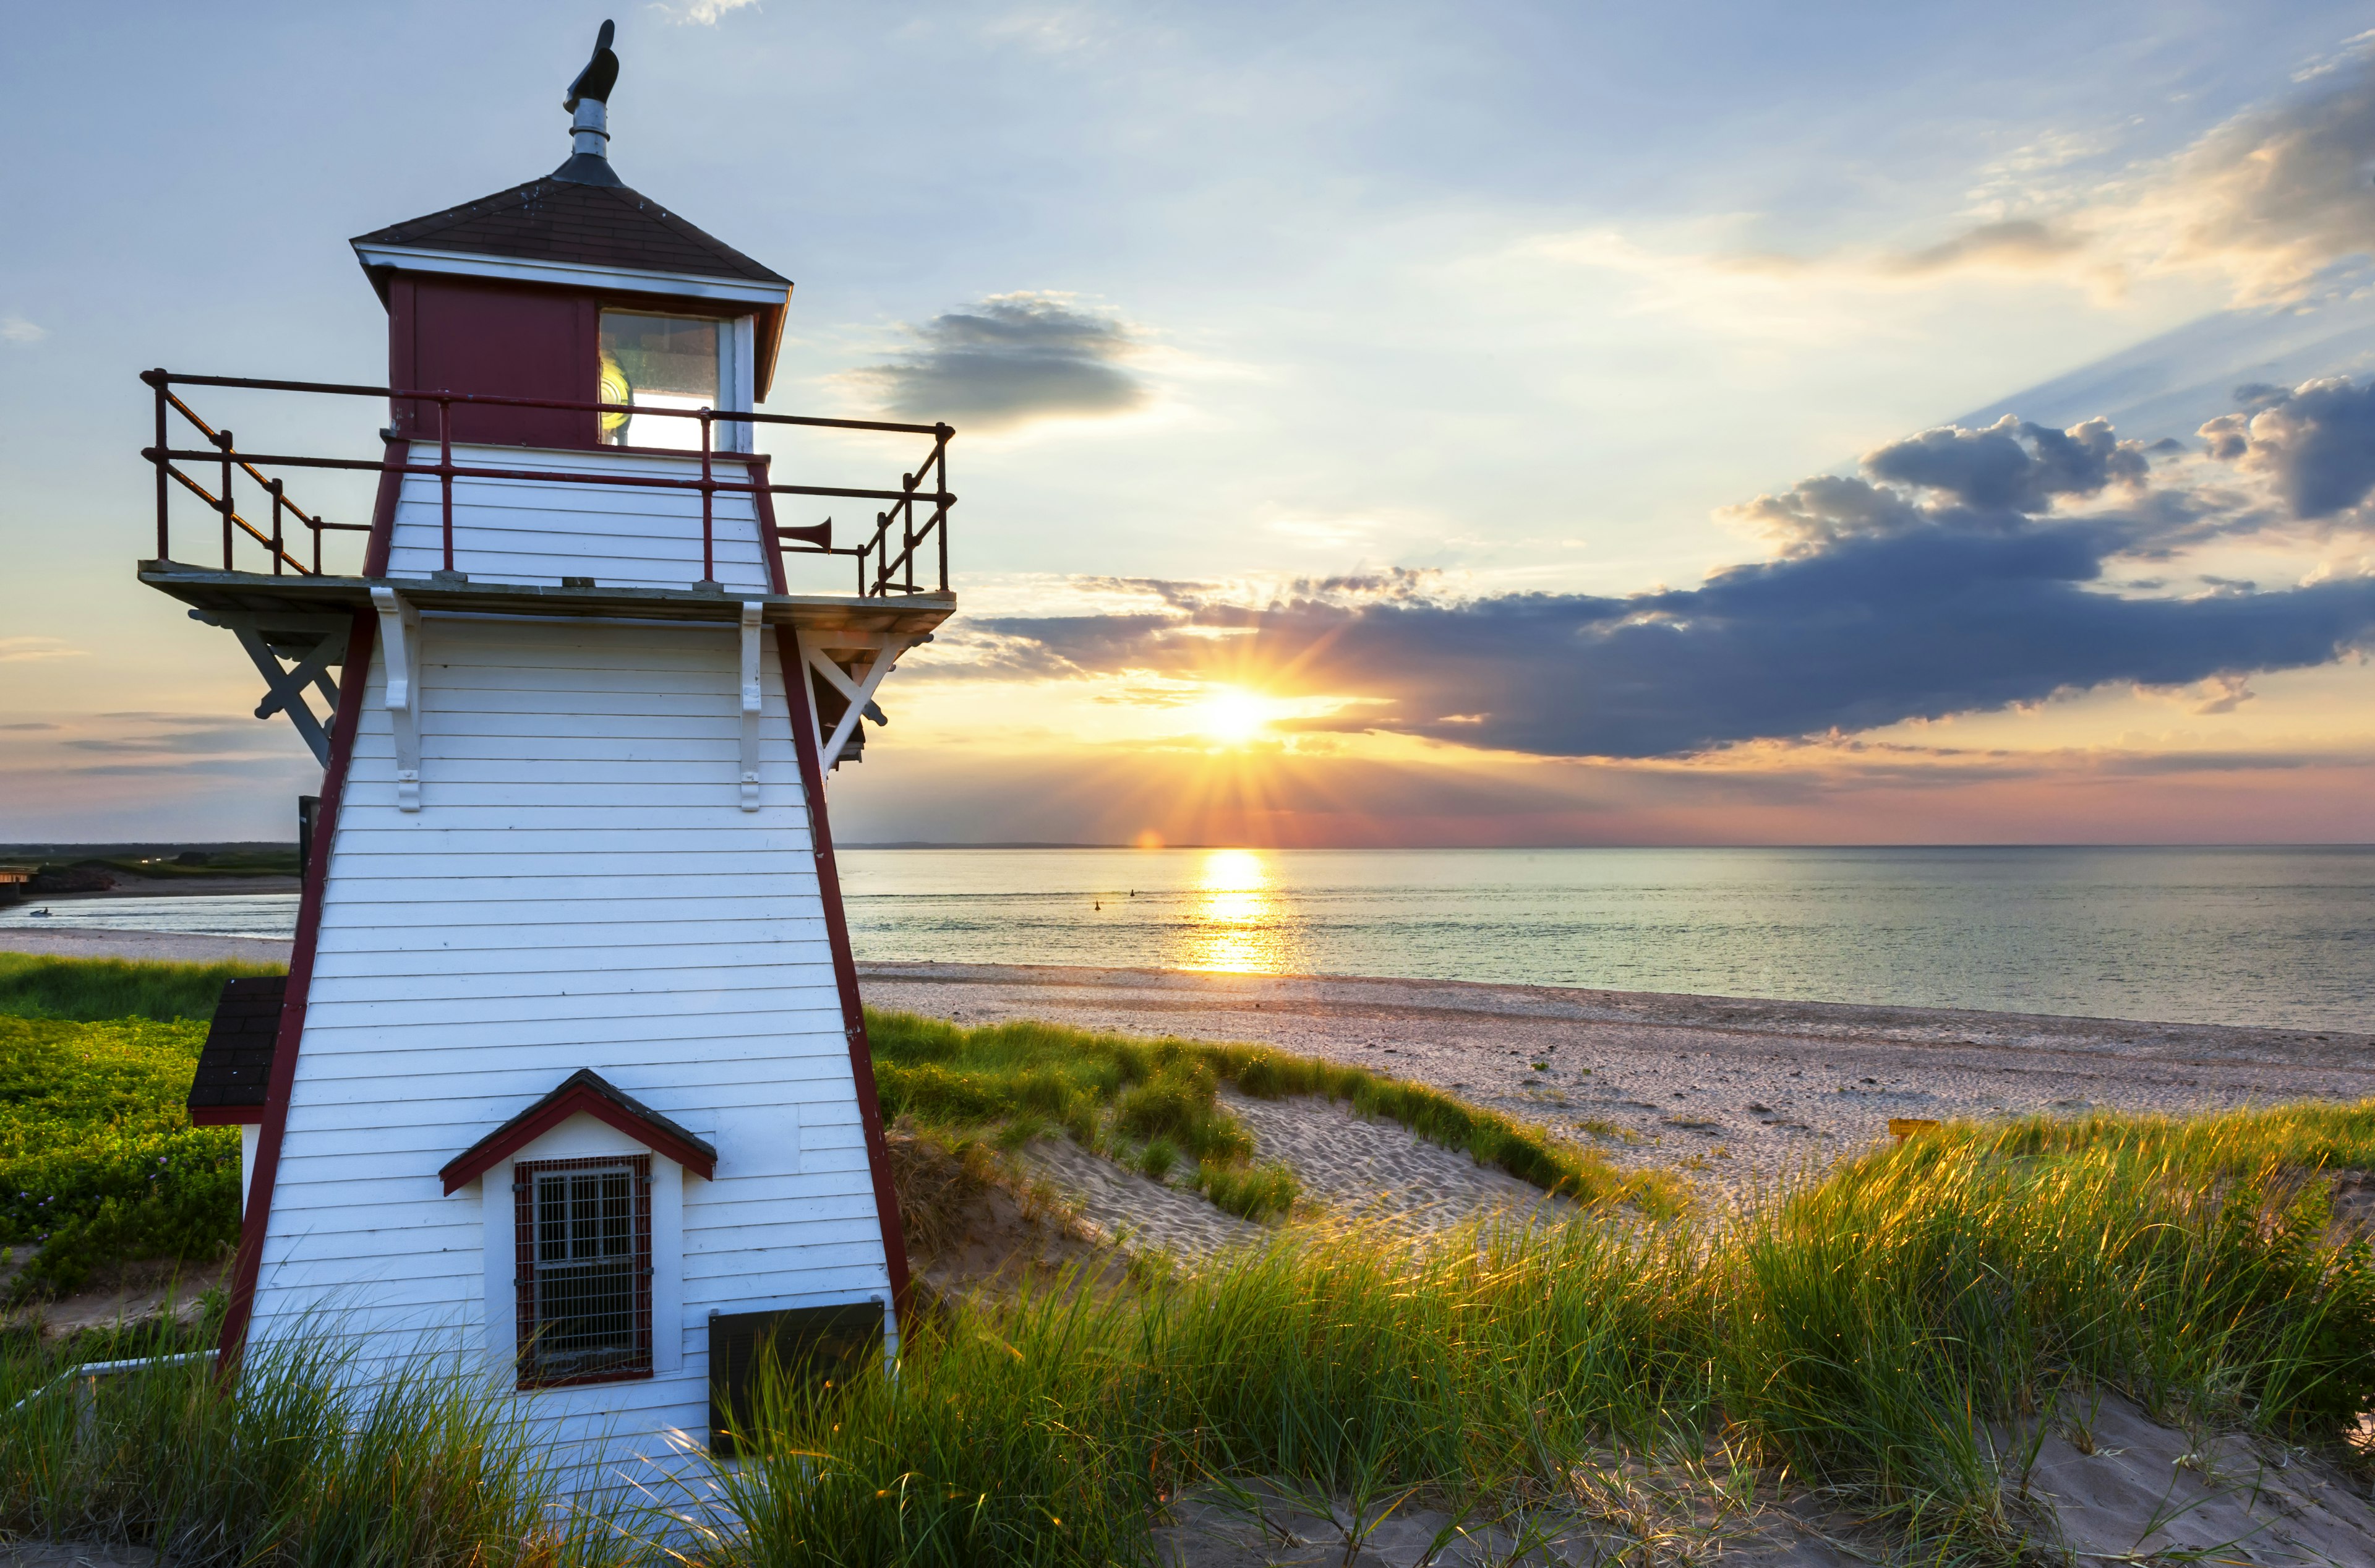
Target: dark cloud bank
point(1965, 571)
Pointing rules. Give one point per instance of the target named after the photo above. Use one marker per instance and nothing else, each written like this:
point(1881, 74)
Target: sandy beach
point(1736, 1090)
point(148, 947)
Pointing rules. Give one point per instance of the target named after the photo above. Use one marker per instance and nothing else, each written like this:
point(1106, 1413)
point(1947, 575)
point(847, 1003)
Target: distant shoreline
point(128, 886)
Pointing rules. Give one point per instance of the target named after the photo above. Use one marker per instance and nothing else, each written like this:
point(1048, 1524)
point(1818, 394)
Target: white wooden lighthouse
point(569, 1075)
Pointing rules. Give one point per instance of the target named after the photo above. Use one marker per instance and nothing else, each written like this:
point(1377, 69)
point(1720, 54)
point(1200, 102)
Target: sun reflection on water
point(1233, 923)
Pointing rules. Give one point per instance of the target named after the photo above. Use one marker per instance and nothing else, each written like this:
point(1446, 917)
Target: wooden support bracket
point(399, 633)
point(860, 692)
point(266, 640)
point(752, 703)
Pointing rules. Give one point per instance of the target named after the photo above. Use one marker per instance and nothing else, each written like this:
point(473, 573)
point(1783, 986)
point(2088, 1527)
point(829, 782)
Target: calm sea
point(2256, 936)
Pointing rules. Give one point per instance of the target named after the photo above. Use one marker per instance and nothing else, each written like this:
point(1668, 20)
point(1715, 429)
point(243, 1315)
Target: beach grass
point(290, 1464)
point(1878, 1332)
point(94, 990)
point(1873, 1333)
point(1129, 1098)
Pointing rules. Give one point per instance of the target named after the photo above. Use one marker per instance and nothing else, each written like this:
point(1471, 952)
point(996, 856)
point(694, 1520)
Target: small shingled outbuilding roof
point(235, 1064)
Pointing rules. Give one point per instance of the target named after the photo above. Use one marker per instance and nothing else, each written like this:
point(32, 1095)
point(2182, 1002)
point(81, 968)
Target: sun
point(1232, 717)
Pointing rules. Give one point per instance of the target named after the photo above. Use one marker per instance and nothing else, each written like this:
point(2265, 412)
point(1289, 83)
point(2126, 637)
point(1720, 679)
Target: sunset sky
point(1390, 424)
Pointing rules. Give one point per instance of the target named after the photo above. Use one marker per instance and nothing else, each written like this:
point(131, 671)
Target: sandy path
point(1348, 1166)
point(1378, 1168)
point(1127, 1208)
point(1772, 1085)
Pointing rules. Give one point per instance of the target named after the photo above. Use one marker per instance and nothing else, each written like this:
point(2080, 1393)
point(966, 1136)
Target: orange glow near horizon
point(1232, 923)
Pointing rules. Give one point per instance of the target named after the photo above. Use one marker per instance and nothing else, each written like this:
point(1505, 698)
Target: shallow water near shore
point(2281, 936)
point(2278, 936)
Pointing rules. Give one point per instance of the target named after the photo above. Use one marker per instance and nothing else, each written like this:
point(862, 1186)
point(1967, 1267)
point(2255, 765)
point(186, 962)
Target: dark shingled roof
point(235, 1065)
point(561, 220)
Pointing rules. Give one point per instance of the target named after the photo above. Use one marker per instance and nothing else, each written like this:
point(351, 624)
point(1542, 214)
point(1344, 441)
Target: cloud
point(2278, 193)
point(1963, 570)
point(1010, 360)
point(2011, 464)
point(2276, 199)
point(212, 740)
point(167, 741)
point(2272, 198)
point(2316, 442)
point(16, 329)
point(25, 650)
point(701, 13)
point(2017, 242)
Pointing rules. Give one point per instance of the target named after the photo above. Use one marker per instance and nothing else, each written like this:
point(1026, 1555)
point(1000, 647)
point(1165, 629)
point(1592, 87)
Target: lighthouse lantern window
point(654, 361)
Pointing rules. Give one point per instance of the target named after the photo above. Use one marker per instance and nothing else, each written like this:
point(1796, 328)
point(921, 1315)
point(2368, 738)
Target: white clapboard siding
point(580, 888)
point(537, 532)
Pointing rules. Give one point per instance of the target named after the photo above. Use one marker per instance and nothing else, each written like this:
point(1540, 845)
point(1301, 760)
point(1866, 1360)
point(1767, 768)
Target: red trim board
point(844, 965)
point(573, 1096)
point(355, 675)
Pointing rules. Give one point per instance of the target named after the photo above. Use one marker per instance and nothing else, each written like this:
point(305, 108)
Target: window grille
point(583, 1232)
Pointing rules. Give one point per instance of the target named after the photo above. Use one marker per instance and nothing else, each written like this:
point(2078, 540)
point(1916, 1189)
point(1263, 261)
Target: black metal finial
point(600, 74)
point(589, 110)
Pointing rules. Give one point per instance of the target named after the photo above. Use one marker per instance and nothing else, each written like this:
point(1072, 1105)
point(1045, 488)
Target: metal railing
point(881, 571)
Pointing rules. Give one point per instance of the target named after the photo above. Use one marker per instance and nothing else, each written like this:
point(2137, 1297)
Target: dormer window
point(658, 361)
point(584, 1230)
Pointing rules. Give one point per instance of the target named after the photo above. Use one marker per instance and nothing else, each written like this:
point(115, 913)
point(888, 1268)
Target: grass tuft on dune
point(1133, 1098)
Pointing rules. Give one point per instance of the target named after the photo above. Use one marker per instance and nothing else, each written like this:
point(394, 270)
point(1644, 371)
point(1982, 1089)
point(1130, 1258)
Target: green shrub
point(99, 1164)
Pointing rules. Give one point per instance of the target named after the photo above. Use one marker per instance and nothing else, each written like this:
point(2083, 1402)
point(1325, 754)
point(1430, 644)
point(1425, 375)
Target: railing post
point(445, 471)
point(314, 523)
point(708, 492)
point(155, 378)
point(940, 435)
point(223, 441)
point(275, 487)
point(907, 531)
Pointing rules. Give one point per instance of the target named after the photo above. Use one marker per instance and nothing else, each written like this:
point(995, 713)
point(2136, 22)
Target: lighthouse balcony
point(572, 525)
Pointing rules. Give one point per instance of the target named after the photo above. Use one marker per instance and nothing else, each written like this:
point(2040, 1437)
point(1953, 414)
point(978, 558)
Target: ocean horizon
point(2276, 935)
